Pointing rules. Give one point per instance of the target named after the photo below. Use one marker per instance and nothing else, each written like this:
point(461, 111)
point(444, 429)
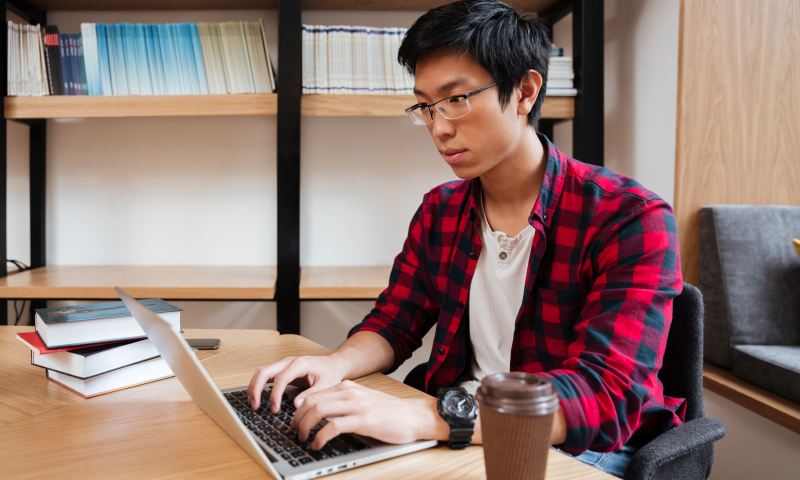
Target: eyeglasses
point(449, 108)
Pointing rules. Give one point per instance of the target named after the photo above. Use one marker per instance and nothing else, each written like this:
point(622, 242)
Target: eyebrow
point(447, 86)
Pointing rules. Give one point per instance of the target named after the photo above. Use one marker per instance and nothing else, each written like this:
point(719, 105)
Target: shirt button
point(503, 255)
point(473, 255)
point(441, 351)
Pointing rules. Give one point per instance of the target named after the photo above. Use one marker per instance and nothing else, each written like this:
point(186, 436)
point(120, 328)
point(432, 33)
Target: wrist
point(429, 425)
point(340, 365)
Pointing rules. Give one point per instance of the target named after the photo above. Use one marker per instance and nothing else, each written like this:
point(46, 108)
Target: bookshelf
point(286, 283)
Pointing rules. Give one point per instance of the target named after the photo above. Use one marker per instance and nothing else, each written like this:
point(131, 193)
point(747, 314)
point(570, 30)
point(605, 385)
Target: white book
point(130, 376)
point(389, 61)
point(561, 92)
point(227, 57)
point(247, 71)
point(211, 61)
point(375, 71)
point(270, 67)
point(215, 40)
point(309, 75)
point(44, 88)
point(88, 362)
point(360, 81)
point(258, 58)
point(321, 59)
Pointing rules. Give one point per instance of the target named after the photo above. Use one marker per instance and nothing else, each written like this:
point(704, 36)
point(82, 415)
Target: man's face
point(476, 143)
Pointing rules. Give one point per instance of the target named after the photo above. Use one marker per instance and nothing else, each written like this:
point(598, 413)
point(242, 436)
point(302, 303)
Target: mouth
point(452, 155)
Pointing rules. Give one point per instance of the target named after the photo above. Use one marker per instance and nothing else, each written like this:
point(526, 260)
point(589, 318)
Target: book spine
point(81, 63)
point(90, 59)
point(197, 55)
point(53, 58)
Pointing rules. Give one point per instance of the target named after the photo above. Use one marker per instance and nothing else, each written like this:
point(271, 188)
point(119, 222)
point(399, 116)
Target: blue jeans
point(613, 463)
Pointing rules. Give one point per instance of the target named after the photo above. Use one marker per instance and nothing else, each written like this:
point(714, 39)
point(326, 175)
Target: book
point(100, 322)
point(126, 377)
point(33, 341)
point(90, 360)
point(52, 56)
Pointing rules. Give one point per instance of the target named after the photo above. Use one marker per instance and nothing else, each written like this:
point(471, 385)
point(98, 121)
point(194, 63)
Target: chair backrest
point(682, 369)
point(749, 274)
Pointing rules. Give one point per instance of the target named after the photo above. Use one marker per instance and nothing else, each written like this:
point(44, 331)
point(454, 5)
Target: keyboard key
point(294, 463)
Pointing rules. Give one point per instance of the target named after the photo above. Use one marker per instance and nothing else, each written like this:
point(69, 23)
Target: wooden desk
point(156, 430)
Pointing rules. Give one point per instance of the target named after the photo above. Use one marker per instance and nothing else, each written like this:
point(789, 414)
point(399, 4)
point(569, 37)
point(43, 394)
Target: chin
point(465, 173)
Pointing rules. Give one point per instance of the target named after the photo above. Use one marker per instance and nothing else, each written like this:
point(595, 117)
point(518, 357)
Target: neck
point(515, 182)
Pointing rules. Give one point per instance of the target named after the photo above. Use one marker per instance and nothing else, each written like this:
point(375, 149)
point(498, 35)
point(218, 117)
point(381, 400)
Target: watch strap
point(460, 436)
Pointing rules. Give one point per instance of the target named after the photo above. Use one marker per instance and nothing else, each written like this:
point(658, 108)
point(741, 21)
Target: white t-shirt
point(495, 298)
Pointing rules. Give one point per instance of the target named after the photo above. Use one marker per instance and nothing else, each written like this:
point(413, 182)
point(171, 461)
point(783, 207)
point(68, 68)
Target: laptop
point(266, 437)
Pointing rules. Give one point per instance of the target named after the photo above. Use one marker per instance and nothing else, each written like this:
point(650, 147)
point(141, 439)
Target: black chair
point(686, 451)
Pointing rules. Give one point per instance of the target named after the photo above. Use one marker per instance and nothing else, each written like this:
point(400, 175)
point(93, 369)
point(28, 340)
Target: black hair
point(504, 42)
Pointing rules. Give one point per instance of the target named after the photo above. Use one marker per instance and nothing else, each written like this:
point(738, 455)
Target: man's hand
point(352, 408)
point(316, 373)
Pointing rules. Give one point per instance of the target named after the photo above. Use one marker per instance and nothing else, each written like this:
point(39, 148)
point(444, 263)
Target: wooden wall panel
point(738, 117)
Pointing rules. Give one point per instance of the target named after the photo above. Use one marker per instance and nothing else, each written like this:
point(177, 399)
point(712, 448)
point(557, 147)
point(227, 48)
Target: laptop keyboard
point(276, 430)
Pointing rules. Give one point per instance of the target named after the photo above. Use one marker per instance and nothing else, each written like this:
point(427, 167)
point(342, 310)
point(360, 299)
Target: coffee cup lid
point(518, 393)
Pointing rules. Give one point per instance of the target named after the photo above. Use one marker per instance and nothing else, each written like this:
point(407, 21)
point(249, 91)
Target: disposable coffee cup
point(516, 415)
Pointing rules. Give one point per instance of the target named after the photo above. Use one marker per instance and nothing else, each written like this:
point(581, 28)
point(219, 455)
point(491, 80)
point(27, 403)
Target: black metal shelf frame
point(587, 32)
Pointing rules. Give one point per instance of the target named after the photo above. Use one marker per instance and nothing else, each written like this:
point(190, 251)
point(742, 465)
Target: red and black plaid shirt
point(597, 304)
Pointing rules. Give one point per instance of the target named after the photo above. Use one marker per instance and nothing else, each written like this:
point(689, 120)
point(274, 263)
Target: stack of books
point(99, 348)
point(560, 75)
point(342, 59)
point(140, 59)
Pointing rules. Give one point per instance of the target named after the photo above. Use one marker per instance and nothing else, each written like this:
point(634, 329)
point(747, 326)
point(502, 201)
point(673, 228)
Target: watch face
point(458, 404)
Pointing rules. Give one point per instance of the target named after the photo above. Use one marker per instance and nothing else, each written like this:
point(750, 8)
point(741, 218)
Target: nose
point(440, 126)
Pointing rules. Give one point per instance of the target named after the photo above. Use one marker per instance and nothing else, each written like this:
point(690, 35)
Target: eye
point(458, 99)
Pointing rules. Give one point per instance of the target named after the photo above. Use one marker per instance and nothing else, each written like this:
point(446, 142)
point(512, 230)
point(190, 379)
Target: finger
point(295, 369)
point(329, 394)
point(326, 409)
point(262, 375)
point(302, 396)
point(336, 426)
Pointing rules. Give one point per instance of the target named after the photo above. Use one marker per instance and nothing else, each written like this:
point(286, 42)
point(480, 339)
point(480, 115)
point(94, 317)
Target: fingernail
point(298, 402)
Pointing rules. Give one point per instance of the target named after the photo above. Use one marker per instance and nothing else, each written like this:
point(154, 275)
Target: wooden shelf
point(343, 283)
point(528, 5)
point(82, 106)
point(170, 282)
point(136, 5)
point(554, 108)
point(66, 106)
point(774, 407)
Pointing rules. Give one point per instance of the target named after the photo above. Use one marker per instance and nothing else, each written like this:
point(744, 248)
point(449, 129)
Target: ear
point(529, 88)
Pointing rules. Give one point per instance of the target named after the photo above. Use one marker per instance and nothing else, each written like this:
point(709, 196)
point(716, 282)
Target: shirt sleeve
point(608, 385)
point(406, 309)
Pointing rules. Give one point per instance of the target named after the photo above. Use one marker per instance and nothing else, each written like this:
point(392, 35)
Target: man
point(533, 262)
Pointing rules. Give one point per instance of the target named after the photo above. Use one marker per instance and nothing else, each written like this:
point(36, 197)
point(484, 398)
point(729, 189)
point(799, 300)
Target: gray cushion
point(749, 276)
point(775, 368)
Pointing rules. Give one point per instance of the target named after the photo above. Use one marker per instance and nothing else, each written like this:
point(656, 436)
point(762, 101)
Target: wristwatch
point(458, 408)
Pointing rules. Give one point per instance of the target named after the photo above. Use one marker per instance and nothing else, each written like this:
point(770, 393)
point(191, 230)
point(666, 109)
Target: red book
point(35, 343)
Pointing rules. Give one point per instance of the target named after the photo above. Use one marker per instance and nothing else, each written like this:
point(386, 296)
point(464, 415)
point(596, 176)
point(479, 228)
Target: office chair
point(686, 451)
